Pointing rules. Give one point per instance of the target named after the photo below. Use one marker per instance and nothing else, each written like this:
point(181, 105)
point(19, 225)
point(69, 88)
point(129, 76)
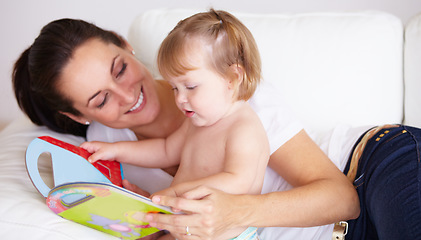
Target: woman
point(79, 74)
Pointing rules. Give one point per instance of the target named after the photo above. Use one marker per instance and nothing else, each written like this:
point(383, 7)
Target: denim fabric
point(388, 185)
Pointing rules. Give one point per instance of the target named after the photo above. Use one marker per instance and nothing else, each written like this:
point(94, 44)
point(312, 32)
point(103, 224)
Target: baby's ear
point(236, 74)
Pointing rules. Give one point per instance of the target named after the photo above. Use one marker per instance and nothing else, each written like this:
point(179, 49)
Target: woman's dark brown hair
point(37, 71)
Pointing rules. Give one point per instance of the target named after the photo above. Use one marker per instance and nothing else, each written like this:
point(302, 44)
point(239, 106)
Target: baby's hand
point(100, 151)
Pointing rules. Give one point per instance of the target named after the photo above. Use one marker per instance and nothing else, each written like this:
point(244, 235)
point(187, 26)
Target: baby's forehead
point(192, 55)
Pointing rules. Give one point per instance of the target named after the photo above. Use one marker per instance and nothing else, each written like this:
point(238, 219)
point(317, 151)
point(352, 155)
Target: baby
point(212, 63)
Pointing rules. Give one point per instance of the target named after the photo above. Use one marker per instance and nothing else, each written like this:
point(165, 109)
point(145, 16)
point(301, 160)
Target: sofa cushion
point(331, 68)
point(412, 62)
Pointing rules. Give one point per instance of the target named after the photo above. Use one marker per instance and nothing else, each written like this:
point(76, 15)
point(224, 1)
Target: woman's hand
point(207, 212)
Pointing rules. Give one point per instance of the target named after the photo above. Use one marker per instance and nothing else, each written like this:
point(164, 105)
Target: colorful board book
point(90, 194)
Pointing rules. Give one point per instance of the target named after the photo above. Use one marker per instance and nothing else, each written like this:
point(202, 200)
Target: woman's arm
point(321, 195)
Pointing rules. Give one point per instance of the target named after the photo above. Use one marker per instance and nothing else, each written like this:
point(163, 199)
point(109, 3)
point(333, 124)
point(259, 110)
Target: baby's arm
point(154, 153)
point(132, 152)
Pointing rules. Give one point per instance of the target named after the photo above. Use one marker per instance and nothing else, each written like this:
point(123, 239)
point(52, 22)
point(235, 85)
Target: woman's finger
point(181, 232)
point(173, 222)
point(183, 204)
point(198, 193)
point(181, 235)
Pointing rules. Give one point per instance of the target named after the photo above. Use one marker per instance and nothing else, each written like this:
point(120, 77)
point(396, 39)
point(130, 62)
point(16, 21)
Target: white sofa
point(357, 68)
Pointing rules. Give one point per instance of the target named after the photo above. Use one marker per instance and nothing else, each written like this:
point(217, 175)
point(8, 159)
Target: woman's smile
point(141, 101)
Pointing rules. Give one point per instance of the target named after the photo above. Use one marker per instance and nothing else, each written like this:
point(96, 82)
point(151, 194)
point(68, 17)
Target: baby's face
point(202, 94)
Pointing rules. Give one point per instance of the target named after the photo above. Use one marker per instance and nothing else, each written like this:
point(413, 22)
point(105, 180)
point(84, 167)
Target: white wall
point(21, 20)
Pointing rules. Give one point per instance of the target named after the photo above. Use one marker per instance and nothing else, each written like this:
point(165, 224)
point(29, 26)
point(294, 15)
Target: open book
point(90, 194)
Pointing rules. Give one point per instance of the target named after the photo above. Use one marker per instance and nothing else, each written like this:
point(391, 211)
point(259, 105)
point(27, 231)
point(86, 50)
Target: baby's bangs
point(172, 59)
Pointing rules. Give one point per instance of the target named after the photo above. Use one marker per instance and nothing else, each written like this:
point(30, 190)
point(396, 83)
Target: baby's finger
point(88, 146)
point(102, 155)
point(94, 157)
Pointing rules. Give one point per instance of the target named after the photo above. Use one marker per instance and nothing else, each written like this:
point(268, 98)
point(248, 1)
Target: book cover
point(90, 194)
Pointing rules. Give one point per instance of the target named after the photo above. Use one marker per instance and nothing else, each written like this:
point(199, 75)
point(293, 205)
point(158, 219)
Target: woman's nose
point(125, 94)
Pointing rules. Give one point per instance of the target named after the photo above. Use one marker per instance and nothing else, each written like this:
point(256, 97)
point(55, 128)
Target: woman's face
point(109, 85)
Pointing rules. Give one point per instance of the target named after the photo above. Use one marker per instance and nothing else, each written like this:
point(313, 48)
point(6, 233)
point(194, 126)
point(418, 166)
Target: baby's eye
point(190, 87)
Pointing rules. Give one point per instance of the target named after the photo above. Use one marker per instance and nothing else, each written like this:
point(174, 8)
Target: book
point(104, 207)
point(90, 194)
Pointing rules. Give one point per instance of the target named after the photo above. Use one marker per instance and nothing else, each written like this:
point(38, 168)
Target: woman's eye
point(104, 101)
point(123, 69)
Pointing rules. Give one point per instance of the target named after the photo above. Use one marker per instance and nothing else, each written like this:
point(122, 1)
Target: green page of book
point(105, 207)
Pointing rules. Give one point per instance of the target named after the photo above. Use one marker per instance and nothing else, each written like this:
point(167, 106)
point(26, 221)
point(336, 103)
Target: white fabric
point(23, 211)
point(412, 59)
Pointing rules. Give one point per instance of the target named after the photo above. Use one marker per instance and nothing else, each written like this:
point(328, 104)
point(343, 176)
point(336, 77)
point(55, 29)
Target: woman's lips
point(139, 103)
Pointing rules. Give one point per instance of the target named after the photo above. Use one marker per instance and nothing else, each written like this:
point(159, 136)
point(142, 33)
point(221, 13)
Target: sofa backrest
point(412, 73)
point(331, 68)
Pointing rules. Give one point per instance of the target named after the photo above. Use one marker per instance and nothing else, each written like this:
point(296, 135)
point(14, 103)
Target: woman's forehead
point(90, 63)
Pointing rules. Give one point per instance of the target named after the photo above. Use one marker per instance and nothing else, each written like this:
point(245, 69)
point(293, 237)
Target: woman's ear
point(129, 47)
point(79, 119)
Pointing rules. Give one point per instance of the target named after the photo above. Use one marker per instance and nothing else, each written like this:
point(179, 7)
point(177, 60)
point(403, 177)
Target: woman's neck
point(168, 119)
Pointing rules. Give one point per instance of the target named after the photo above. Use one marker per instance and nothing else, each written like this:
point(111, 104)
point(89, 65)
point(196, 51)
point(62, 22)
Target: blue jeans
point(388, 185)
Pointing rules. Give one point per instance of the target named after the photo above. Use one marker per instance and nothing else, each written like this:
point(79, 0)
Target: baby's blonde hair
point(231, 43)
